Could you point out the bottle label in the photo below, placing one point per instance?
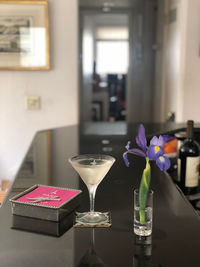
(192, 171)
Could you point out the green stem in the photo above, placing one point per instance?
(142, 216)
(144, 190)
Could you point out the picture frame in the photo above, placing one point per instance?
(24, 35)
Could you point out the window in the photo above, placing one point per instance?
(112, 50)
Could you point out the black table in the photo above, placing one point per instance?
(176, 225)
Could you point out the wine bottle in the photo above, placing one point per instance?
(188, 162)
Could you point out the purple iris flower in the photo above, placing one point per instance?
(154, 152)
(141, 138)
(163, 163)
(155, 149)
(141, 142)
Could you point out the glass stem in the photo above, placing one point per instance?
(92, 192)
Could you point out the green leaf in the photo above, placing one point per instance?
(144, 190)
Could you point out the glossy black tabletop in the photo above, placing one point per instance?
(176, 225)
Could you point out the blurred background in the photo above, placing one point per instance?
(112, 62)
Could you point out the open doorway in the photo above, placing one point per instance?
(104, 69)
(117, 61)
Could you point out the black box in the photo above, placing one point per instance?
(43, 210)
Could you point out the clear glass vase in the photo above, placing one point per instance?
(143, 218)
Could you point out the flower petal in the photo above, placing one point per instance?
(163, 163)
(126, 159)
(168, 138)
(128, 145)
(154, 151)
(161, 141)
(157, 141)
(154, 141)
(141, 138)
(135, 151)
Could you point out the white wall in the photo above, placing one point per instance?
(181, 61)
(158, 109)
(191, 88)
(58, 89)
(172, 59)
(173, 52)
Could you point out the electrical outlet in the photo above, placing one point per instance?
(32, 102)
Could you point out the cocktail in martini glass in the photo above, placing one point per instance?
(92, 168)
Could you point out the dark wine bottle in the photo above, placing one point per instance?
(188, 162)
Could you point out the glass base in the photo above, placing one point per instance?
(142, 230)
(91, 218)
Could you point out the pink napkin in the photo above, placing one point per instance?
(43, 191)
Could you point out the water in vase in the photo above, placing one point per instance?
(146, 228)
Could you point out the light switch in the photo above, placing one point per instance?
(32, 102)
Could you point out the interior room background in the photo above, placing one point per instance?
(175, 88)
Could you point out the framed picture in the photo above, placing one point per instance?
(24, 35)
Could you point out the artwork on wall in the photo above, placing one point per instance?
(15, 35)
(24, 35)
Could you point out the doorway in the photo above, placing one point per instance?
(104, 69)
(117, 60)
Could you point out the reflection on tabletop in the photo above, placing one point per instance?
(91, 258)
(45, 227)
(142, 252)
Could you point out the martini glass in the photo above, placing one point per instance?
(92, 168)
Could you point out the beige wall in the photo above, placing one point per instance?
(175, 57)
(191, 84)
(169, 57)
(181, 61)
(58, 89)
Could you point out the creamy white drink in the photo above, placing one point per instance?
(92, 171)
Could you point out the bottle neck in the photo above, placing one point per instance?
(190, 125)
